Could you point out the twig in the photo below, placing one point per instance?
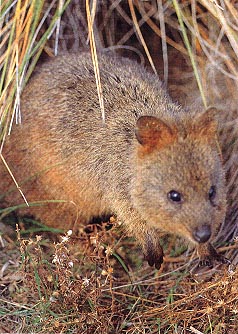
(194, 330)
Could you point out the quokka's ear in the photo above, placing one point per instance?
(205, 125)
(152, 133)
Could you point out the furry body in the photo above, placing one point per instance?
(64, 151)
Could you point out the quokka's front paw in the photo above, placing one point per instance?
(154, 259)
(153, 252)
(205, 262)
(208, 256)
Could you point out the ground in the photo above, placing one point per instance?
(98, 282)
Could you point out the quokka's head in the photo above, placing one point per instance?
(179, 181)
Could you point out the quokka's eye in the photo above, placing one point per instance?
(212, 193)
(174, 196)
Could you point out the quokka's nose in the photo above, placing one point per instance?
(202, 233)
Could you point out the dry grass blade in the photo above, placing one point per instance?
(133, 14)
(163, 40)
(155, 28)
(14, 180)
(95, 58)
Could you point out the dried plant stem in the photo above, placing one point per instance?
(95, 59)
(163, 41)
(14, 180)
(133, 14)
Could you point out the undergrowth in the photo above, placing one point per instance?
(96, 282)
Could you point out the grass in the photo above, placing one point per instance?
(23, 39)
(94, 282)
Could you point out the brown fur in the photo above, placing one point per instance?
(127, 166)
